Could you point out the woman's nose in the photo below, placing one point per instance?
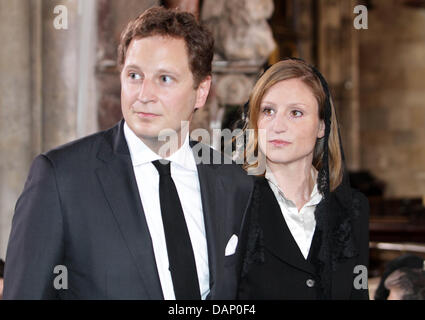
(280, 123)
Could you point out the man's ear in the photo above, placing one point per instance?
(202, 92)
(321, 132)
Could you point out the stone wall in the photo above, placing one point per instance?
(337, 46)
(392, 97)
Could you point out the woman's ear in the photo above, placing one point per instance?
(321, 132)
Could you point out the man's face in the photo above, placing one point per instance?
(157, 86)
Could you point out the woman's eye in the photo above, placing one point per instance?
(134, 76)
(166, 79)
(296, 113)
(268, 111)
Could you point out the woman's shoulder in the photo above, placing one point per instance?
(350, 198)
(260, 182)
(360, 201)
(359, 197)
(351, 206)
(360, 205)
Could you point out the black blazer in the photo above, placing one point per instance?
(81, 208)
(274, 267)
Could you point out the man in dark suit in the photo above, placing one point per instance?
(1, 278)
(104, 218)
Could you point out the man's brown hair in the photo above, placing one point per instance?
(172, 23)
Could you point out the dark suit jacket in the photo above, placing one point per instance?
(80, 208)
(275, 268)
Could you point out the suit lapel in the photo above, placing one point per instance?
(277, 236)
(210, 205)
(117, 179)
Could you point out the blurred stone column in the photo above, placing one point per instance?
(59, 70)
(47, 87)
(15, 108)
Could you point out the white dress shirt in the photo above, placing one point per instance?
(185, 176)
(301, 223)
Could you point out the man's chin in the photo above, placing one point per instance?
(144, 130)
(153, 133)
(161, 136)
(154, 137)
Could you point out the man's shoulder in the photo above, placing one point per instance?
(78, 150)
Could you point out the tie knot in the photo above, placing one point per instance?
(163, 168)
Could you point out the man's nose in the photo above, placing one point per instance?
(147, 91)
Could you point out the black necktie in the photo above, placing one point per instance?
(180, 251)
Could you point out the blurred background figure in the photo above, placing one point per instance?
(403, 279)
(406, 284)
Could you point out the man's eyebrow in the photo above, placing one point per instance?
(132, 66)
(167, 71)
(159, 71)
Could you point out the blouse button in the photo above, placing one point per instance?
(310, 283)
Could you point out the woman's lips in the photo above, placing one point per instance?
(279, 143)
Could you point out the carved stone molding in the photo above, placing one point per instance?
(243, 43)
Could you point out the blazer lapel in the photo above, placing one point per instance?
(277, 236)
(117, 179)
(341, 284)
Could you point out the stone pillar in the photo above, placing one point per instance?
(15, 108)
(59, 71)
(47, 93)
(87, 89)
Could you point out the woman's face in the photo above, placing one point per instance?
(290, 119)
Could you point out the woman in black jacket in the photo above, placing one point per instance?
(306, 236)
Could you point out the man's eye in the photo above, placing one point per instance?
(166, 79)
(134, 76)
(296, 113)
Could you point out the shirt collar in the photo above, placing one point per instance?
(141, 154)
(315, 196)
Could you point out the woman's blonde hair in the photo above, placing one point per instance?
(295, 69)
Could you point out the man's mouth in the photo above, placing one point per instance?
(146, 115)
